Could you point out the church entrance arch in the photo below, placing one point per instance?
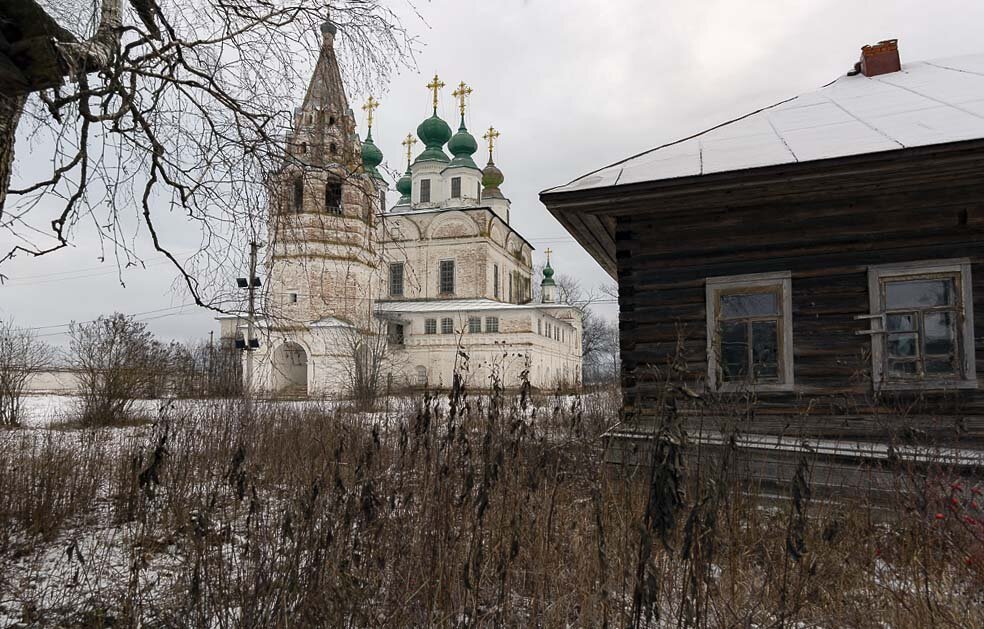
(290, 369)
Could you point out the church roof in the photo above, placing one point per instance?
(926, 103)
(463, 305)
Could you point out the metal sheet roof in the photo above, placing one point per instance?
(459, 305)
(929, 102)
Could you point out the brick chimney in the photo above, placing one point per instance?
(880, 58)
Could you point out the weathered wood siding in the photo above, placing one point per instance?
(827, 240)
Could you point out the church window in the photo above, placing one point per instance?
(382, 200)
(292, 298)
(421, 375)
(491, 324)
(447, 277)
(298, 193)
(396, 279)
(456, 187)
(425, 190)
(478, 191)
(333, 196)
(447, 326)
(396, 335)
(474, 325)
(331, 121)
(539, 327)
(303, 148)
(430, 326)
(548, 329)
(495, 280)
(511, 300)
(333, 148)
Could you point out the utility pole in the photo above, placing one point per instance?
(251, 313)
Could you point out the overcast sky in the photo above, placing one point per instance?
(572, 85)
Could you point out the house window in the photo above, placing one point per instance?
(491, 324)
(298, 193)
(495, 280)
(425, 190)
(396, 279)
(447, 277)
(396, 333)
(922, 325)
(333, 196)
(750, 332)
(474, 325)
(430, 326)
(447, 326)
(456, 187)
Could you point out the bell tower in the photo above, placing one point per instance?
(322, 258)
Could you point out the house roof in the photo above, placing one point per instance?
(459, 305)
(926, 103)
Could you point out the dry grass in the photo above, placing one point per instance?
(490, 511)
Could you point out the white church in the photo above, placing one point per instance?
(408, 295)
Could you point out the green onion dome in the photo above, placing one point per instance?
(492, 178)
(463, 146)
(404, 185)
(371, 156)
(434, 133)
(548, 276)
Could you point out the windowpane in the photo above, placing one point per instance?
(749, 305)
(425, 190)
(900, 322)
(447, 276)
(901, 369)
(333, 197)
(941, 333)
(919, 293)
(902, 345)
(396, 279)
(765, 349)
(940, 367)
(447, 326)
(430, 326)
(456, 187)
(474, 325)
(734, 350)
(491, 324)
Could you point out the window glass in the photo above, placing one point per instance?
(447, 277)
(333, 196)
(748, 331)
(491, 324)
(921, 327)
(425, 190)
(430, 326)
(396, 279)
(447, 325)
(474, 325)
(749, 305)
(298, 193)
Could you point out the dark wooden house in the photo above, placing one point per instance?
(817, 264)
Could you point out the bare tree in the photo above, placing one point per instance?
(22, 356)
(163, 107)
(369, 359)
(117, 361)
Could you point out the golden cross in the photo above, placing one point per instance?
(409, 142)
(435, 85)
(491, 136)
(461, 93)
(548, 251)
(369, 107)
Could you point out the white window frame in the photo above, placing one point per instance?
(714, 287)
(958, 266)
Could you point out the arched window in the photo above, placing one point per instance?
(298, 193)
(333, 196)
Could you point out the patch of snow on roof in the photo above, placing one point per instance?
(925, 103)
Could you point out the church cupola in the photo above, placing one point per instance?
(492, 177)
(434, 132)
(548, 287)
(462, 144)
(372, 157)
(405, 184)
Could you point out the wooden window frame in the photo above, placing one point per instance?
(715, 287)
(958, 268)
